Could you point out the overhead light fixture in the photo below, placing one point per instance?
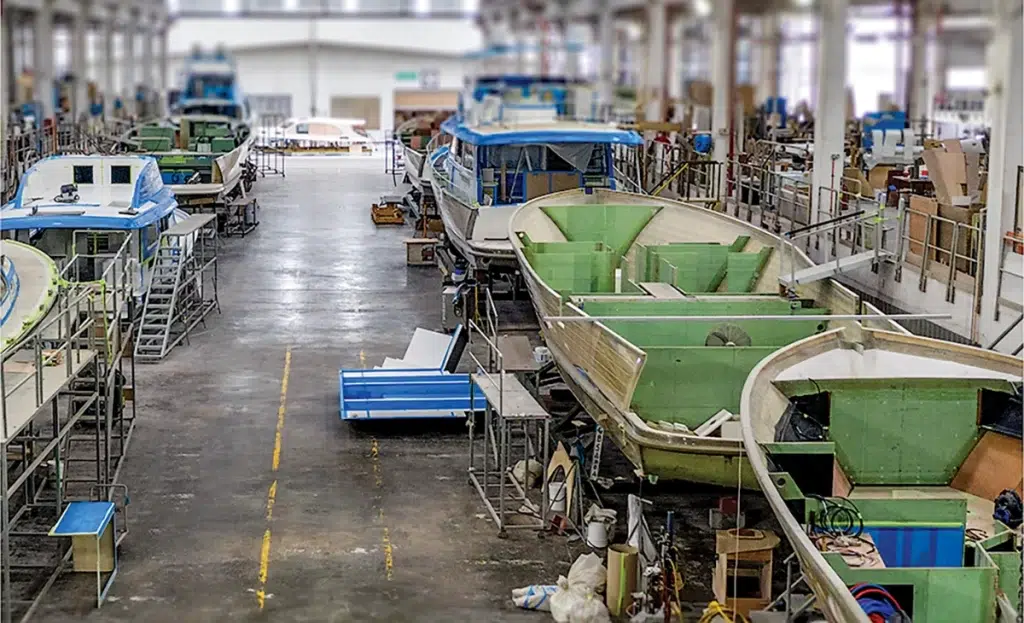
(702, 7)
(803, 4)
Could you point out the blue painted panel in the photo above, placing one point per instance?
(84, 518)
(918, 546)
(411, 392)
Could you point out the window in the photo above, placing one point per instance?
(302, 128)
(120, 174)
(83, 174)
(469, 156)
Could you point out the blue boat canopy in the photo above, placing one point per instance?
(579, 133)
(102, 203)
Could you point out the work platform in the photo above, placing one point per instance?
(66, 423)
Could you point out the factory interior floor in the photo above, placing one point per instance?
(367, 523)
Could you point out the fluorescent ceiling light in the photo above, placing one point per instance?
(702, 7)
(422, 7)
(803, 4)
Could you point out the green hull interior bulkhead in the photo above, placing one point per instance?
(684, 380)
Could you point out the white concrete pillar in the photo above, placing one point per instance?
(939, 65)
(163, 70)
(149, 35)
(723, 64)
(657, 43)
(606, 39)
(7, 64)
(43, 58)
(674, 88)
(79, 31)
(830, 106)
(918, 71)
(128, 60)
(768, 49)
(105, 64)
(1004, 105)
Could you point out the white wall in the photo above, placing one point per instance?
(340, 71)
(430, 35)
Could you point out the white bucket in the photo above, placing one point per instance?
(556, 493)
(597, 533)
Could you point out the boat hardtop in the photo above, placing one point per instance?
(89, 192)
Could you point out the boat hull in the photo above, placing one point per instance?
(479, 234)
(414, 166)
(227, 175)
(602, 369)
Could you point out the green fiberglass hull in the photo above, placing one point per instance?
(614, 278)
(917, 435)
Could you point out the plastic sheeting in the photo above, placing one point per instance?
(576, 154)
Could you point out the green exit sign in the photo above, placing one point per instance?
(406, 76)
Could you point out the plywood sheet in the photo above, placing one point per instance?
(993, 465)
(426, 100)
(368, 108)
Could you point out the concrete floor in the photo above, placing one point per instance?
(368, 524)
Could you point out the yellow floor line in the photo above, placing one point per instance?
(261, 593)
(378, 483)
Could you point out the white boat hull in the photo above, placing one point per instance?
(228, 168)
(478, 233)
(414, 166)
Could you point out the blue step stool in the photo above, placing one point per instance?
(92, 529)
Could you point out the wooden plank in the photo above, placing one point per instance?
(661, 290)
(993, 465)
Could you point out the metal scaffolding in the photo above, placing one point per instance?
(66, 423)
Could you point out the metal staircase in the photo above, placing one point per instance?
(182, 287)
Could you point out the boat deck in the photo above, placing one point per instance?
(21, 404)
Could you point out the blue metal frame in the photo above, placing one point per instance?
(11, 295)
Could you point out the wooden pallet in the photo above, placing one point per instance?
(387, 214)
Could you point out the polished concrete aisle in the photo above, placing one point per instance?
(365, 524)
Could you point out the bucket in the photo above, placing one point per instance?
(597, 533)
(556, 491)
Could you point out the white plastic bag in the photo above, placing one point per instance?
(563, 601)
(588, 572)
(589, 608)
(535, 597)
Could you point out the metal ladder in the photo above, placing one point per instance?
(153, 340)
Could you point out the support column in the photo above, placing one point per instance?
(80, 98)
(657, 42)
(128, 63)
(42, 58)
(163, 70)
(830, 105)
(149, 35)
(917, 73)
(105, 65)
(1004, 105)
(769, 47)
(606, 39)
(723, 76)
(7, 72)
(939, 65)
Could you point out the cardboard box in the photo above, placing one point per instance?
(966, 239)
(917, 225)
(878, 177)
(955, 175)
(747, 554)
(855, 183)
(699, 92)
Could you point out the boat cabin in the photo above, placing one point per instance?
(524, 152)
(68, 205)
